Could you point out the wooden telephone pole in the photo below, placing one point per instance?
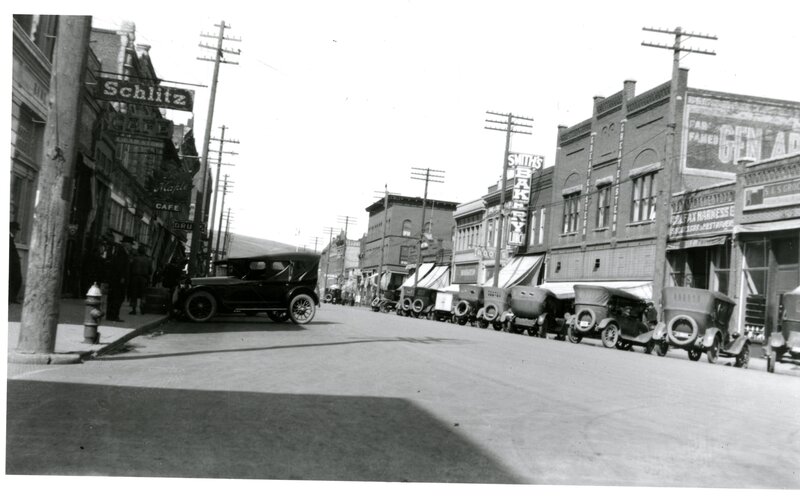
(512, 124)
(429, 176)
(200, 199)
(40, 310)
(670, 157)
(222, 142)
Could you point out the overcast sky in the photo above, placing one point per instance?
(331, 99)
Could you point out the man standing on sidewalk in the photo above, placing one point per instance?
(117, 275)
(141, 270)
(14, 269)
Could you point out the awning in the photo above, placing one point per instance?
(437, 278)
(387, 275)
(759, 227)
(423, 271)
(642, 289)
(696, 242)
(519, 270)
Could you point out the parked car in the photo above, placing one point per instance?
(281, 284)
(446, 302)
(422, 304)
(496, 302)
(470, 303)
(539, 312)
(697, 320)
(786, 339)
(620, 319)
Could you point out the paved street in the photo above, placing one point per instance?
(361, 396)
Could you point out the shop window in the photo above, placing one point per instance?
(677, 264)
(571, 213)
(406, 228)
(644, 198)
(603, 203)
(785, 250)
(30, 134)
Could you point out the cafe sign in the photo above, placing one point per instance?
(140, 93)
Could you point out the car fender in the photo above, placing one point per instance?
(541, 319)
(506, 316)
(603, 323)
(479, 315)
(777, 341)
(302, 290)
(736, 347)
(708, 338)
(660, 331)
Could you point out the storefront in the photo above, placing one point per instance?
(766, 240)
(699, 244)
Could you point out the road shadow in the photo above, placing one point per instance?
(83, 429)
(253, 324)
(132, 348)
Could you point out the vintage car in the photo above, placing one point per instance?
(539, 312)
(470, 303)
(386, 301)
(620, 319)
(786, 339)
(333, 294)
(697, 320)
(422, 304)
(496, 302)
(280, 284)
(446, 302)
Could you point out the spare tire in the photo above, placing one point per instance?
(581, 317)
(328, 298)
(418, 305)
(406, 304)
(682, 320)
(490, 312)
(462, 309)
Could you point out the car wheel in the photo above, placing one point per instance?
(610, 335)
(743, 358)
(573, 336)
(771, 359)
(278, 315)
(662, 348)
(713, 352)
(649, 347)
(482, 324)
(694, 354)
(200, 306)
(498, 326)
(301, 309)
(461, 322)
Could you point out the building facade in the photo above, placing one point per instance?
(398, 229)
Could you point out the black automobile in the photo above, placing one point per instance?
(280, 284)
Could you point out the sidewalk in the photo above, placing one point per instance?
(69, 336)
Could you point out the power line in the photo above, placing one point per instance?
(429, 176)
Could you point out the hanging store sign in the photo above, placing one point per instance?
(168, 207)
(151, 127)
(154, 95)
(183, 225)
(533, 162)
(521, 197)
(702, 221)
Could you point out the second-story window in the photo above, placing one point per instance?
(644, 198)
(571, 213)
(407, 228)
(603, 202)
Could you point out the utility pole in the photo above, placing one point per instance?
(670, 157)
(226, 243)
(222, 142)
(329, 231)
(347, 220)
(200, 199)
(429, 176)
(221, 208)
(513, 126)
(40, 309)
(316, 241)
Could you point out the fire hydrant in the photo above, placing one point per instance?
(93, 315)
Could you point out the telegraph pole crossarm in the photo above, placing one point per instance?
(222, 142)
(429, 176)
(512, 122)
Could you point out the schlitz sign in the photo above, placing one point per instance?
(154, 95)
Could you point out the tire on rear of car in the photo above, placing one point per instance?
(200, 306)
(302, 309)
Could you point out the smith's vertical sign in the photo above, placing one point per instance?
(524, 165)
(616, 178)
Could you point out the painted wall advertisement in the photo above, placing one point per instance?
(772, 195)
(719, 130)
(524, 165)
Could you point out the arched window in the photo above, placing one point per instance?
(406, 228)
(427, 229)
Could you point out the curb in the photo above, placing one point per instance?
(88, 355)
(45, 358)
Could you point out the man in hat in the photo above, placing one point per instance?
(117, 276)
(14, 268)
(140, 273)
